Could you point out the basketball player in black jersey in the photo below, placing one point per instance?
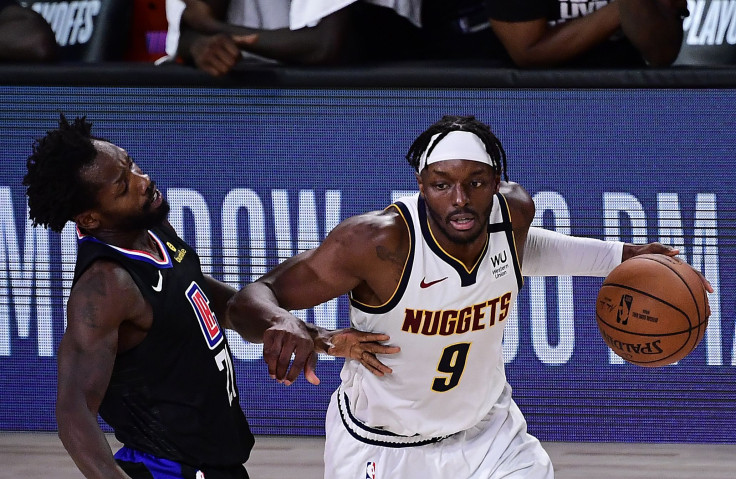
(144, 345)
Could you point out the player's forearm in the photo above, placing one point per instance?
(87, 446)
(573, 38)
(654, 27)
(194, 30)
(548, 253)
(561, 43)
(307, 46)
(317, 45)
(254, 309)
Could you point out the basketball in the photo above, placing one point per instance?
(652, 310)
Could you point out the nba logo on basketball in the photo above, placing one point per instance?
(624, 308)
(370, 470)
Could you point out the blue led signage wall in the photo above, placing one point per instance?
(254, 176)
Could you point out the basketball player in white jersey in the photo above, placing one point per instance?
(437, 272)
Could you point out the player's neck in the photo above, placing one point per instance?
(467, 253)
(139, 240)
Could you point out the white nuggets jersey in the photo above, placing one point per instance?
(448, 318)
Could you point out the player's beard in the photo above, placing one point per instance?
(460, 238)
(148, 217)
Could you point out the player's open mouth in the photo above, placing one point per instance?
(463, 223)
(157, 199)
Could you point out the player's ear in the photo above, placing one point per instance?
(87, 220)
(498, 183)
(419, 183)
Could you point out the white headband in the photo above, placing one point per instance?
(457, 145)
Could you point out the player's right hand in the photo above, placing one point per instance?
(286, 339)
(362, 346)
(216, 54)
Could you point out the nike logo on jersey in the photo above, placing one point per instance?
(160, 284)
(424, 284)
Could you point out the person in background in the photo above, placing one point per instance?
(24, 35)
(592, 33)
(147, 38)
(216, 35)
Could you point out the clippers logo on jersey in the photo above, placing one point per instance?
(207, 320)
(370, 470)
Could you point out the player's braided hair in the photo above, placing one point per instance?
(55, 190)
(450, 123)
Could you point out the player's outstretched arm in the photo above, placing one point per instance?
(260, 311)
(549, 253)
(534, 43)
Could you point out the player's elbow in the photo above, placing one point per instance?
(662, 58)
(528, 58)
(327, 41)
(39, 43)
(661, 51)
(324, 49)
(528, 63)
(322, 55)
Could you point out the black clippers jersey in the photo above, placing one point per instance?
(174, 395)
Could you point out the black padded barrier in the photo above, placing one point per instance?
(405, 75)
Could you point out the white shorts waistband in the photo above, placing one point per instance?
(374, 436)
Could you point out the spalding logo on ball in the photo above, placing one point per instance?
(652, 310)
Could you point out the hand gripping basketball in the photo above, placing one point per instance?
(652, 310)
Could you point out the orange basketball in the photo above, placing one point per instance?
(652, 310)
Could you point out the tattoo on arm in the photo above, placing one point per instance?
(95, 291)
(384, 254)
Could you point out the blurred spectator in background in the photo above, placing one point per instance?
(592, 33)
(87, 31)
(217, 34)
(214, 32)
(377, 30)
(459, 30)
(214, 35)
(147, 39)
(24, 35)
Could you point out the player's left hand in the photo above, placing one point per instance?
(631, 250)
(362, 346)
